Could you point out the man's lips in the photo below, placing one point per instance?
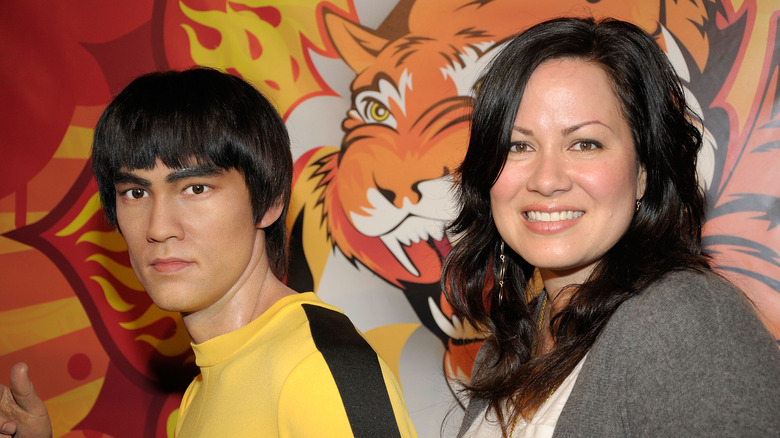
(170, 264)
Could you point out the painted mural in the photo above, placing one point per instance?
(377, 96)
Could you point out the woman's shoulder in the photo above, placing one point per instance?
(680, 292)
(679, 351)
(699, 306)
(702, 281)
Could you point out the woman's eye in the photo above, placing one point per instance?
(518, 147)
(586, 145)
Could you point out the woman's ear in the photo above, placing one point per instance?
(271, 215)
(641, 182)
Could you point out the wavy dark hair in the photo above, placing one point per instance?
(664, 234)
(215, 118)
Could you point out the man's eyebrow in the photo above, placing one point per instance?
(129, 178)
(193, 172)
(124, 177)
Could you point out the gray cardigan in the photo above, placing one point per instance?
(686, 357)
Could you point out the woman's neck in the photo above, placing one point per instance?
(553, 301)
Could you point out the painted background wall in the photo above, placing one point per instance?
(376, 95)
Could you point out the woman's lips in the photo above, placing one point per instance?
(552, 216)
(551, 221)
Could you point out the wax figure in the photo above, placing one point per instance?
(194, 168)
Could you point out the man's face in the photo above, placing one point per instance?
(190, 233)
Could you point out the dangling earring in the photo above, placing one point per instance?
(501, 273)
(638, 204)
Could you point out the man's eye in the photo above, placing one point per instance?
(134, 193)
(197, 189)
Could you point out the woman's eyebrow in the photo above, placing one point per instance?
(565, 131)
(522, 130)
(574, 128)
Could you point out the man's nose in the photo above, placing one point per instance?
(164, 221)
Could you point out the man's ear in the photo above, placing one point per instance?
(271, 215)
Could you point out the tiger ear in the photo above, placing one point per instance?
(357, 45)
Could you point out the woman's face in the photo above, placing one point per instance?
(569, 187)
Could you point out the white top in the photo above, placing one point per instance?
(543, 422)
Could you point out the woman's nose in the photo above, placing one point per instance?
(549, 173)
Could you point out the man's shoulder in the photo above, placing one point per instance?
(326, 325)
(297, 303)
(332, 329)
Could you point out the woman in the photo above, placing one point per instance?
(581, 166)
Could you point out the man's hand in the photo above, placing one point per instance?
(22, 413)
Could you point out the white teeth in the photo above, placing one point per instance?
(455, 329)
(412, 230)
(412, 223)
(543, 216)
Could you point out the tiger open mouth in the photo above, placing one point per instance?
(402, 228)
(415, 230)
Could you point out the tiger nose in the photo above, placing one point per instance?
(402, 191)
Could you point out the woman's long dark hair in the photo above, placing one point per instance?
(664, 234)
